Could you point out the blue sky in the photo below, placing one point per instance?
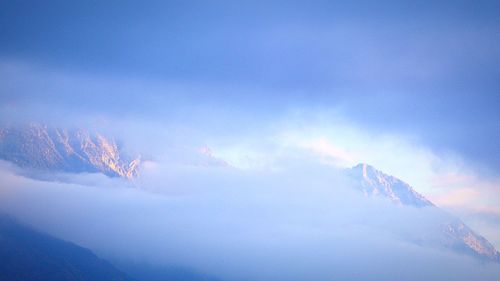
(367, 80)
(429, 68)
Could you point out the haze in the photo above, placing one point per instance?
(246, 115)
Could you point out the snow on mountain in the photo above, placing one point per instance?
(375, 183)
(450, 232)
(43, 148)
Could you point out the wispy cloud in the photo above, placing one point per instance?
(336, 155)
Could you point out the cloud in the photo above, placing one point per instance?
(152, 120)
(344, 82)
(303, 222)
(461, 190)
(335, 154)
(456, 197)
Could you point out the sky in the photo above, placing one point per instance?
(410, 87)
(428, 69)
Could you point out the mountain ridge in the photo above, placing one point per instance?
(43, 148)
(27, 254)
(456, 234)
(376, 183)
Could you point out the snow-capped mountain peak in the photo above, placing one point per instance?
(450, 232)
(40, 147)
(375, 183)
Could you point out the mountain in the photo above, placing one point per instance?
(26, 255)
(40, 147)
(373, 182)
(449, 232)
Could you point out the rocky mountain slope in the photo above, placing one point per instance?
(28, 255)
(44, 148)
(373, 182)
(449, 232)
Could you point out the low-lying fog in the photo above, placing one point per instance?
(302, 221)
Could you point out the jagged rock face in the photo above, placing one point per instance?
(462, 238)
(42, 148)
(375, 183)
(451, 232)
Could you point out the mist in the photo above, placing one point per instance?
(300, 221)
(245, 117)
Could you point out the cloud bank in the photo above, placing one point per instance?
(304, 222)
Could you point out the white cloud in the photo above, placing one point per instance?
(302, 222)
(276, 199)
